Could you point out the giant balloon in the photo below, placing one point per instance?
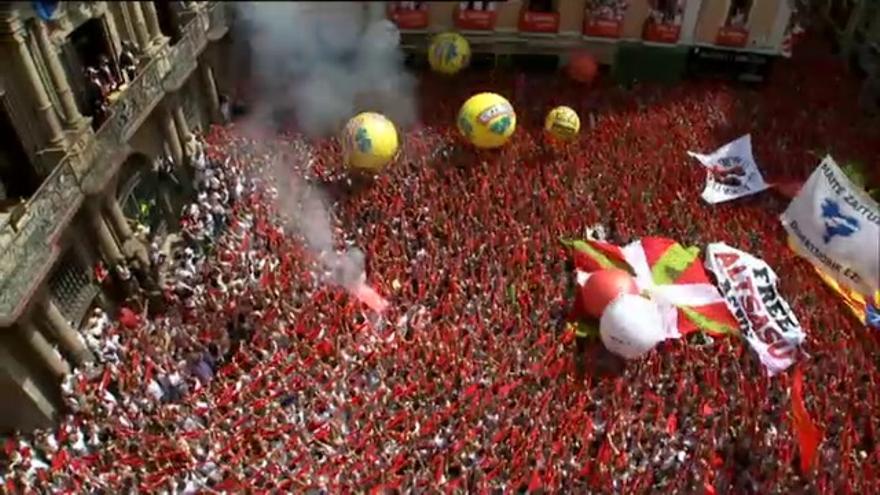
(582, 67)
(631, 326)
(604, 286)
(369, 141)
(449, 53)
(487, 120)
(562, 124)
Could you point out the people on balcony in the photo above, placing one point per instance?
(128, 61)
(96, 96)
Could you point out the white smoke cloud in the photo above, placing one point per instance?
(324, 62)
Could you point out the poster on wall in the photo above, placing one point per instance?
(735, 32)
(664, 21)
(604, 18)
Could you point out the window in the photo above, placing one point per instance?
(738, 14)
(410, 6)
(541, 6)
(667, 11)
(72, 287)
(168, 21)
(478, 6)
(17, 174)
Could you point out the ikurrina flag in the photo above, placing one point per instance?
(667, 272)
(866, 309)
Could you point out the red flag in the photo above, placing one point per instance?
(535, 482)
(105, 380)
(808, 434)
(129, 318)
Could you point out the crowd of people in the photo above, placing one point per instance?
(107, 77)
(257, 375)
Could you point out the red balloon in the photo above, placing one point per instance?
(604, 286)
(582, 67)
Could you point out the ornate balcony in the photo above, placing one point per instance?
(101, 155)
(28, 238)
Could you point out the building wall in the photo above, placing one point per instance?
(699, 24)
(74, 218)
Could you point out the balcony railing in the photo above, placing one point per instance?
(27, 243)
(125, 115)
(28, 237)
(166, 71)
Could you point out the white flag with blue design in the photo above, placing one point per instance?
(836, 226)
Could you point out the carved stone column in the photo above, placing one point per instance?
(113, 33)
(153, 27)
(211, 90)
(31, 334)
(106, 243)
(139, 24)
(169, 130)
(72, 116)
(123, 230)
(33, 406)
(45, 113)
(180, 121)
(66, 335)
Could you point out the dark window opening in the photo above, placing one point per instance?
(542, 6)
(665, 11)
(169, 22)
(479, 6)
(17, 175)
(94, 70)
(738, 14)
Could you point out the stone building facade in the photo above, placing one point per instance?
(76, 166)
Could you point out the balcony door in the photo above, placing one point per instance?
(18, 177)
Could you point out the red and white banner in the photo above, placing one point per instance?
(748, 285)
(731, 172)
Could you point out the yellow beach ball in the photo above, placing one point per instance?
(562, 123)
(487, 120)
(449, 53)
(369, 141)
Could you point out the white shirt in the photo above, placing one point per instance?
(155, 390)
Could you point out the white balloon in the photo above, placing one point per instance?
(631, 326)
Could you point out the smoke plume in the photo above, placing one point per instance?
(326, 62)
(322, 63)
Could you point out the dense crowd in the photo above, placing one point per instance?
(259, 375)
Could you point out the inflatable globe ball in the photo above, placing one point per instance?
(487, 120)
(562, 124)
(369, 142)
(604, 286)
(583, 68)
(449, 53)
(631, 326)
